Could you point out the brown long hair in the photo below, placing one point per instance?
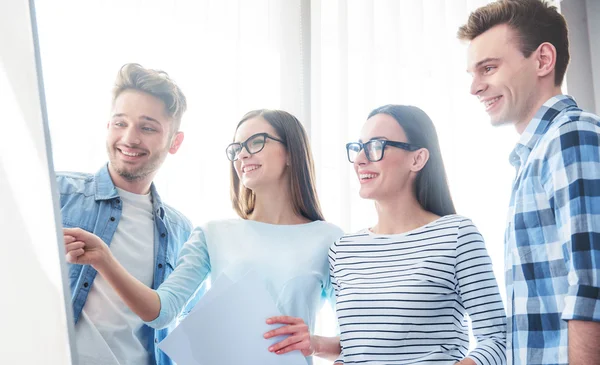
(302, 170)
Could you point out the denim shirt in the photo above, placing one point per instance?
(91, 202)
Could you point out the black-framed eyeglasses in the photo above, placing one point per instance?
(254, 144)
(374, 148)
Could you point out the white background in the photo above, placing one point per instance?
(232, 56)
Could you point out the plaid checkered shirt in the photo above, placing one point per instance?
(552, 242)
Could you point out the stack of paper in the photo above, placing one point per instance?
(226, 328)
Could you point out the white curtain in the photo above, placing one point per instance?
(329, 62)
(373, 52)
(228, 56)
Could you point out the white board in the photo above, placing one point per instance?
(36, 313)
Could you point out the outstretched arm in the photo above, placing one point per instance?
(85, 248)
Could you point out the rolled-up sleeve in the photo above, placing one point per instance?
(192, 268)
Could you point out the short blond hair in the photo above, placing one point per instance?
(156, 83)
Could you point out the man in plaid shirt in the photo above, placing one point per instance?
(518, 55)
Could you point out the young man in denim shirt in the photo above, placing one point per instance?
(120, 204)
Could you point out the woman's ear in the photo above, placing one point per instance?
(420, 158)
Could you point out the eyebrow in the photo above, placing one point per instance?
(254, 135)
(144, 117)
(372, 138)
(485, 60)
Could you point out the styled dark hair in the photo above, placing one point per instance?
(431, 185)
(302, 170)
(535, 22)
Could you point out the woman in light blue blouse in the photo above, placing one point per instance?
(282, 235)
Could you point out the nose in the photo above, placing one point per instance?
(131, 136)
(243, 153)
(361, 158)
(477, 86)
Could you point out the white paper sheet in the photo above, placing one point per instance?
(218, 287)
(227, 327)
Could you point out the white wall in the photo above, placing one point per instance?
(583, 74)
(33, 305)
(593, 15)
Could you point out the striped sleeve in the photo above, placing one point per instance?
(334, 285)
(479, 294)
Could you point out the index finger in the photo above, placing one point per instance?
(69, 239)
(80, 234)
(284, 320)
(283, 330)
(71, 231)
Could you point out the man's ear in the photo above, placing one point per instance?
(546, 59)
(176, 142)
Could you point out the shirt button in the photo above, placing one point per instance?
(112, 219)
(85, 285)
(162, 235)
(118, 201)
(156, 340)
(160, 266)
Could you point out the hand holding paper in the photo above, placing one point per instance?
(227, 328)
(298, 332)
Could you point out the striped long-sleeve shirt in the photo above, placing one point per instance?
(402, 298)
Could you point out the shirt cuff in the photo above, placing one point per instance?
(582, 303)
(162, 320)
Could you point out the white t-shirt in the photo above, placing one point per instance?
(108, 332)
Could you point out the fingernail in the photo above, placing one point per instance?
(271, 349)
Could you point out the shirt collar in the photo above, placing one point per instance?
(539, 125)
(106, 190)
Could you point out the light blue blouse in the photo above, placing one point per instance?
(292, 260)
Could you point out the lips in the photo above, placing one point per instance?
(129, 154)
(249, 168)
(489, 103)
(366, 176)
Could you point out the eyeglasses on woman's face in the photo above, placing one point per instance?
(254, 144)
(375, 148)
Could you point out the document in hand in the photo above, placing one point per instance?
(226, 327)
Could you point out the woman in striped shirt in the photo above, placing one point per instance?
(403, 287)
